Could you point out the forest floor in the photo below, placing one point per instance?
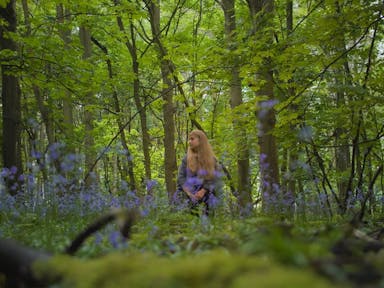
(177, 249)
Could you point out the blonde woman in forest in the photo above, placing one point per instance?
(199, 177)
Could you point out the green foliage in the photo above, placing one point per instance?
(3, 3)
(213, 269)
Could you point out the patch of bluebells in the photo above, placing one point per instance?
(180, 201)
(148, 204)
(213, 201)
(150, 184)
(354, 199)
(277, 200)
(63, 194)
(115, 239)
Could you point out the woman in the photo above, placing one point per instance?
(199, 176)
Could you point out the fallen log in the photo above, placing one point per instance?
(16, 264)
(17, 260)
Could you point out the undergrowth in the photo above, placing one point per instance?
(169, 247)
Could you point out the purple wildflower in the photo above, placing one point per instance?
(114, 239)
(150, 184)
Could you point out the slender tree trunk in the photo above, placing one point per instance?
(243, 174)
(43, 108)
(131, 45)
(142, 111)
(11, 96)
(293, 155)
(85, 38)
(168, 107)
(269, 169)
(128, 164)
(261, 14)
(42, 100)
(342, 152)
(62, 17)
(289, 190)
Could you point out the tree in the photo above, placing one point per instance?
(243, 173)
(63, 16)
(10, 94)
(262, 15)
(167, 95)
(130, 42)
(85, 38)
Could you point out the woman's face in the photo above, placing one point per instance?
(193, 142)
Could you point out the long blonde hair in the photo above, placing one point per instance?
(202, 161)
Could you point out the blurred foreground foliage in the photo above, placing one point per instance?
(216, 268)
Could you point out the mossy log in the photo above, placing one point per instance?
(16, 262)
(217, 268)
(212, 269)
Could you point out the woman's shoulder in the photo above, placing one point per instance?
(184, 160)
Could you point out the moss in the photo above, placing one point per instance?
(211, 269)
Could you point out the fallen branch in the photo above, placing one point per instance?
(125, 219)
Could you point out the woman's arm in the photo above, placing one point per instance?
(182, 179)
(214, 184)
(200, 194)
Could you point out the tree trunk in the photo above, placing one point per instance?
(342, 151)
(261, 15)
(11, 97)
(62, 16)
(142, 112)
(43, 108)
(243, 174)
(128, 165)
(168, 107)
(289, 189)
(131, 45)
(85, 38)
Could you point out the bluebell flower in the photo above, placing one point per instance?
(150, 184)
(268, 104)
(13, 170)
(98, 238)
(212, 200)
(4, 172)
(54, 150)
(36, 154)
(114, 239)
(202, 172)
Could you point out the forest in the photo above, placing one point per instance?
(99, 98)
